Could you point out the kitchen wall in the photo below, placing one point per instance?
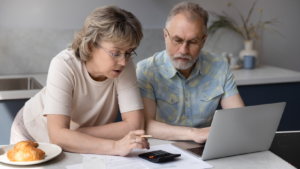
(32, 32)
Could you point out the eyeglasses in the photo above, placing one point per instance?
(191, 43)
(119, 56)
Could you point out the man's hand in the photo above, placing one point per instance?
(200, 135)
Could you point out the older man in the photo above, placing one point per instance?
(182, 86)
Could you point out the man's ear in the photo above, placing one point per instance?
(204, 40)
(165, 33)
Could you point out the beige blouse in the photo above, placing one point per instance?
(72, 92)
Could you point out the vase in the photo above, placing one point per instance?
(248, 50)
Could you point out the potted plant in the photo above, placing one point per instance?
(248, 31)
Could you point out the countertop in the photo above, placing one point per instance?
(261, 160)
(265, 74)
(262, 74)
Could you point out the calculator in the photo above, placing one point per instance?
(158, 156)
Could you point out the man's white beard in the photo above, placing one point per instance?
(179, 65)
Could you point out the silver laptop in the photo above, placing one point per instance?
(238, 131)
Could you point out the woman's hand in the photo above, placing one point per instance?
(131, 141)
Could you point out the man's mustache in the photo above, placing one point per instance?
(182, 56)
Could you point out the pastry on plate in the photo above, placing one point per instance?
(25, 151)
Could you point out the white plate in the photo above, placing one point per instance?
(51, 151)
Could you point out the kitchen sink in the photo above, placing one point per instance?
(19, 84)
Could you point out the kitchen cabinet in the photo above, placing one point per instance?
(15, 90)
(8, 111)
(268, 84)
(273, 93)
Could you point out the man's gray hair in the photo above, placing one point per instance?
(192, 10)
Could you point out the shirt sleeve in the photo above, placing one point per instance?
(145, 87)
(230, 88)
(58, 96)
(128, 90)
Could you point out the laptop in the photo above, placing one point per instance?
(238, 131)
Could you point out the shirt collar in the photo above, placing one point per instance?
(171, 71)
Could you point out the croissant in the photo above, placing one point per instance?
(25, 151)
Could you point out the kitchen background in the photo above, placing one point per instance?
(32, 32)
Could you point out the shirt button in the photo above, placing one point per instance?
(186, 99)
(172, 101)
(188, 117)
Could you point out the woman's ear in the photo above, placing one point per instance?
(90, 46)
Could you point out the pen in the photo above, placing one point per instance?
(146, 136)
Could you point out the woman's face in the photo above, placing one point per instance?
(102, 66)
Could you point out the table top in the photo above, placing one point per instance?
(261, 160)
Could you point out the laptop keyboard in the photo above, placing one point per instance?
(197, 150)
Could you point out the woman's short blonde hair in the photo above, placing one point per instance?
(110, 24)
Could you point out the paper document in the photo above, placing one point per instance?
(93, 163)
(117, 162)
(113, 162)
(132, 161)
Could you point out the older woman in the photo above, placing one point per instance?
(86, 84)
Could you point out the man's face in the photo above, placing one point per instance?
(183, 56)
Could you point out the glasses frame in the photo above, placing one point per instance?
(132, 55)
(187, 42)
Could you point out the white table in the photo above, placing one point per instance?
(259, 160)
